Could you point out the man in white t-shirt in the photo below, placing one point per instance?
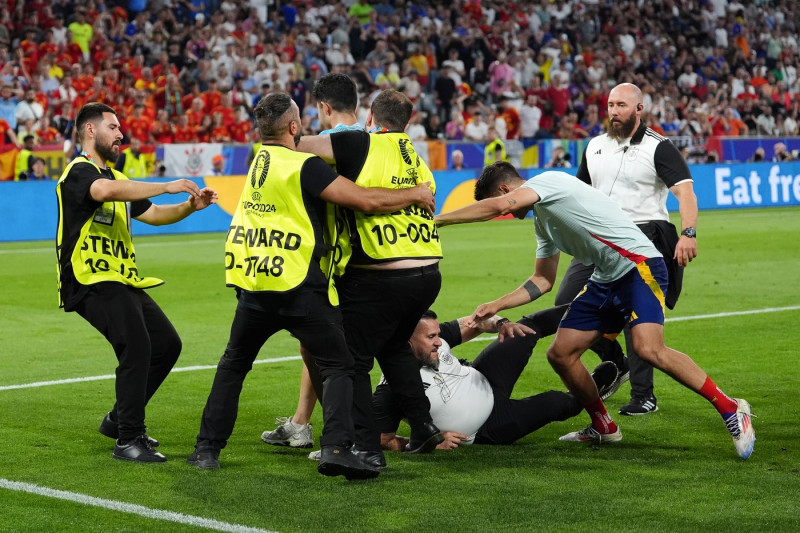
(471, 403)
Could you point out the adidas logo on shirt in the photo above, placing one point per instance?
(598, 152)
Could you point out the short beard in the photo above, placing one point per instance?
(428, 362)
(623, 130)
(106, 153)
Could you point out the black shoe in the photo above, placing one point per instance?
(372, 458)
(424, 439)
(110, 429)
(341, 461)
(205, 459)
(138, 450)
(639, 406)
(605, 377)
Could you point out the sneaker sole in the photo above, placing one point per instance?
(616, 385)
(628, 413)
(204, 465)
(121, 458)
(429, 445)
(285, 444)
(333, 470)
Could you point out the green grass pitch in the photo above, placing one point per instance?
(675, 470)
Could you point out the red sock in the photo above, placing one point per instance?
(601, 421)
(723, 403)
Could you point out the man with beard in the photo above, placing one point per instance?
(99, 278)
(637, 168)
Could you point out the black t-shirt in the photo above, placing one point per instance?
(350, 149)
(315, 176)
(78, 207)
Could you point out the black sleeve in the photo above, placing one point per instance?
(583, 170)
(450, 332)
(670, 165)
(75, 189)
(139, 207)
(316, 175)
(350, 150)
(386, 406)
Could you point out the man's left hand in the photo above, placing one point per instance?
(207, 197)
(685, 251)
(452, 440)
(512, 329)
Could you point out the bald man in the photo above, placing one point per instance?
(638, 168)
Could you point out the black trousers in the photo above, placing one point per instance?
(510, 420)
(381, 309)
(144, 341)
(318, 328)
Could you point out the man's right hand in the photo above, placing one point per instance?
(425, 199)
(183, 185)
(452, 440)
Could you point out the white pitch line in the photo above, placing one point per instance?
(296, 357)
(130, 508)
(111, 376)
(694, 317)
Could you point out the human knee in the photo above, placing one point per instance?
(234, 364)
(556, 358)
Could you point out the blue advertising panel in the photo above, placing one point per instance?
(29, 209)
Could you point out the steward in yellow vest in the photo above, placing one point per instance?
(25, 158)
(393, 275)
(132, 162)
(273, 251)
(99, 278)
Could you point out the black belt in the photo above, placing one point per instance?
(394, 273)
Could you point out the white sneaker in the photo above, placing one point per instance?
(741, 429)
(590, 434)
(289, 434)
(316, 455)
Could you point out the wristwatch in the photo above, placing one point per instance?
(689, 232)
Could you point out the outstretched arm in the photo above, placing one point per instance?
(318, 145)
(106, 190)
(539, 283)
(160, 215)
(344, 192)
(518, 201)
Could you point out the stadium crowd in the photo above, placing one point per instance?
(188, 71)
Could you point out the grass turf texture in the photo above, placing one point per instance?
(675, 470)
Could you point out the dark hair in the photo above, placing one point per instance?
(392, 109)
(273, 115)
(28, 137)
(429, 314)
(338, 91)
(492, 177)
(91, 112)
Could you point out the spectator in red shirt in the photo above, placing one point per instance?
(203, 130)
(240, 130)
(219, 131)
(162, 131)
(138, 125)
(184, 131)
(212, 96)
(225, 108)
(196, 112)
